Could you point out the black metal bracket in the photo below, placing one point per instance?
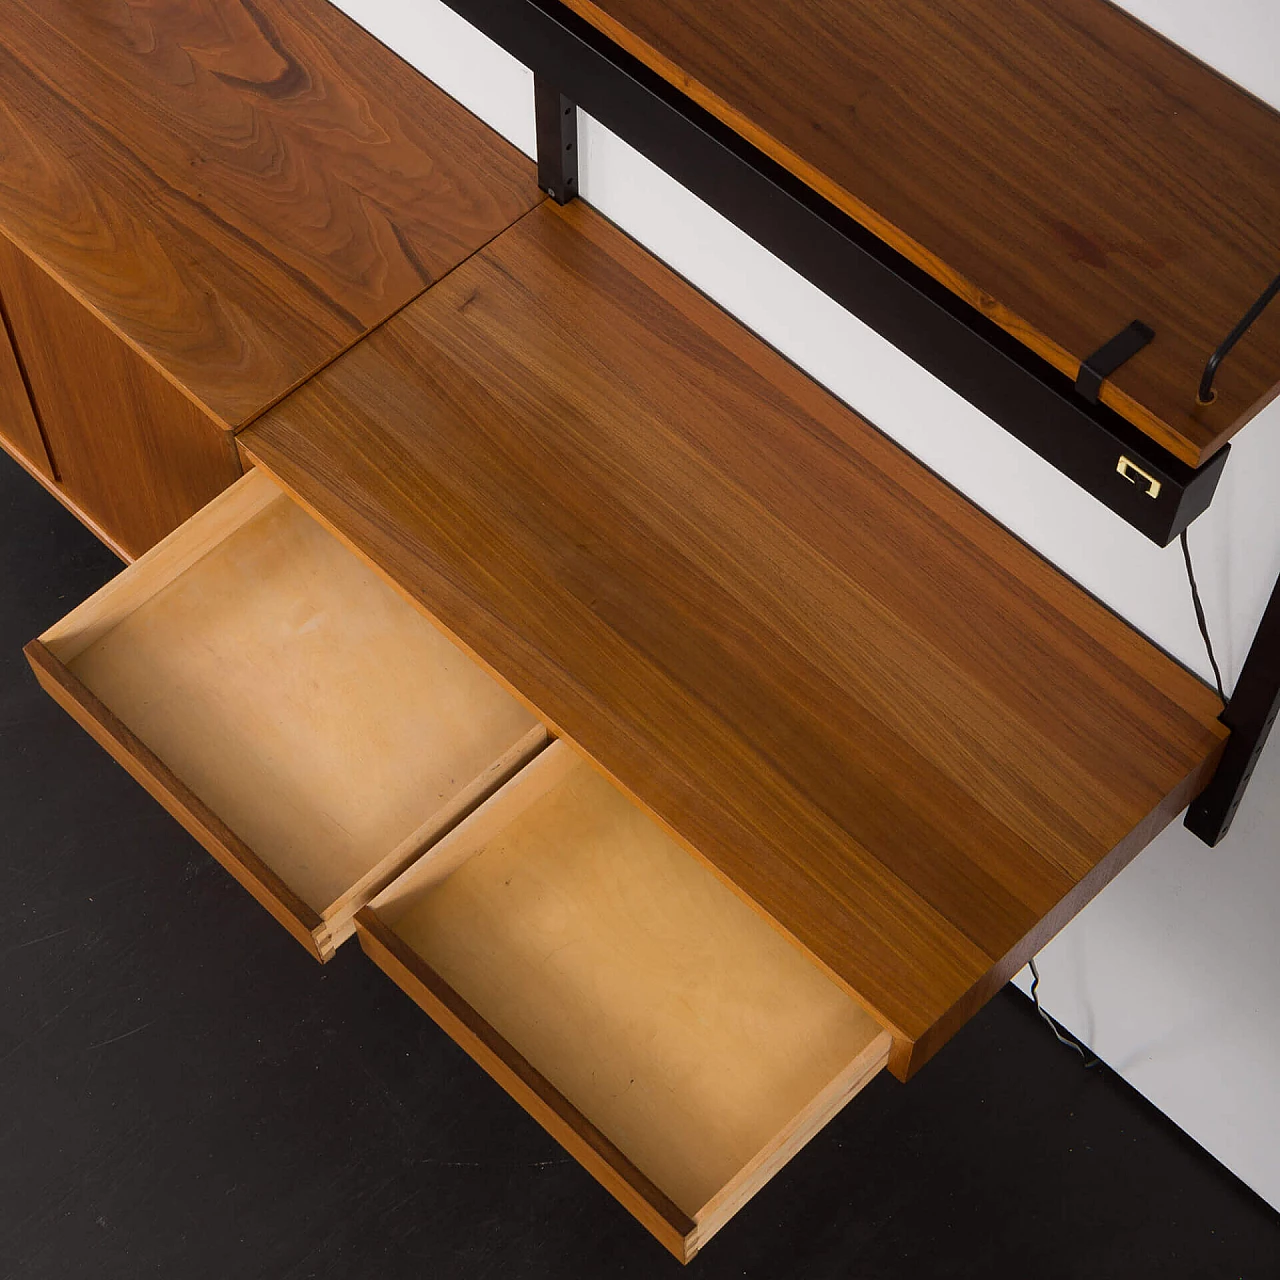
(1109, 357)
(1250, 713)
(556, 125)
(1149, 487)
(1254, 705)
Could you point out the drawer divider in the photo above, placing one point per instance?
(339, 916)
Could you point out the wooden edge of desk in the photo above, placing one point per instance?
(907, 1058)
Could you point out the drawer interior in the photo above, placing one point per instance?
(679, 1031)
(314, 711)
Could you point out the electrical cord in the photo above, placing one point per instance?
(1200, 619)
(1065, 1038)
(1090, 1060)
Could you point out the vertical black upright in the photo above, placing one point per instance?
(557, 131)
(1250, 714)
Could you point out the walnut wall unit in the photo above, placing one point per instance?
(687, 750)
(897, 737)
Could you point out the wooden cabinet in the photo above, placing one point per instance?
(200, 205)
(835, 754)
(683, 747)
(134, 456)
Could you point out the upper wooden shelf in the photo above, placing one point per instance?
(1058, 165)
(909, 741)
(240, 190)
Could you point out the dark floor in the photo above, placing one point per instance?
(185, 1093)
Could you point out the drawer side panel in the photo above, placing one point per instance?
(149, 770)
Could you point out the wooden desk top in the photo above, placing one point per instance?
(240, 189)
(907, 739)
(1054, 162)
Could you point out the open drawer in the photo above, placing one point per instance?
(310, 727)
(671, 1039)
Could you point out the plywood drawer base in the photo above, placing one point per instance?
(664, 1032)
(307, 724)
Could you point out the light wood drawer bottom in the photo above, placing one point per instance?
(308, 725)
(352, 767)
(666, 1034)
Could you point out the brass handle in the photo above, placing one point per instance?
(1135, 475)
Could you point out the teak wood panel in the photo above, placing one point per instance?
(1056, 163)
(906, 738)
(19, 429)
(682, 1048)
(130, 450)
(307, 724)
(240, 189)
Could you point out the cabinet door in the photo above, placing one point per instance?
(133, 453)
(19, 429)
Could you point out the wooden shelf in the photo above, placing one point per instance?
(907, 740)
(239, 191)
(1055, 163)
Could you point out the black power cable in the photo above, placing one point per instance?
(1200, 619)
(1066, 1038)
(1089, 1059)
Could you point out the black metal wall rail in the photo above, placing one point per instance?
(1143, 483)
(1251, 714)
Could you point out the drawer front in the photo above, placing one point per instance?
(309, 726)
(669, 1037)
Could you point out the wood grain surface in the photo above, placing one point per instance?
(19, 429)
(241, 188)
(892, 727)
(130, 450)
(1059, 165)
